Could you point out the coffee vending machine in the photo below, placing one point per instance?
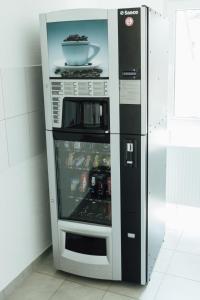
(105, 87)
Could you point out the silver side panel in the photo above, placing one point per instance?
(144, 99)
(143, 209)
(53, 196)
(144, 62)
(157, 95)
(115, 142)
(113, 70)
(45, 72)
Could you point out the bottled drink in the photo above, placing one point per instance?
(109, 186)
(93, 185)
(74, 184)
(96, 161)
(71, 159)
(79, 161)
(87, 161)
(83, 182)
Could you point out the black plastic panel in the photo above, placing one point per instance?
(80, 137)
(130, 119)
(131, 248)
(85, 114)
(85, 244)
(129, 43)
(131, 209)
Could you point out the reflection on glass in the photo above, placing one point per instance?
(84, 181)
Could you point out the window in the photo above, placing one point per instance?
(187, 68)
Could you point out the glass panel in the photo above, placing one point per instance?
(85, 244)
(84, 181)
(84, 114)
(78, 49)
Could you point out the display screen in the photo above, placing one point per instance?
(78, 49)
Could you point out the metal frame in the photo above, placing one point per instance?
(115, 141)
(144, 64)
(144, 101)
(53, 196)
(45, 72)
(143, 209)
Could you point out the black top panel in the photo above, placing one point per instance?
(129, 43)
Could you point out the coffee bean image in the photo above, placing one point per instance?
(92, 73)
(75, 38)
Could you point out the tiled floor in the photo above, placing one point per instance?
(176, 275)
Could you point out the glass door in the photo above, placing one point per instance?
(84, 181)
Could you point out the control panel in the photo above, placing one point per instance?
(61, 89)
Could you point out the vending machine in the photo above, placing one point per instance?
(105, 89)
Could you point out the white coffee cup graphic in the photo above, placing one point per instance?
(77, 53)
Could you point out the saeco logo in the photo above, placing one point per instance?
(128, 12)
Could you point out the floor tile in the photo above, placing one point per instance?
(96, 283)
(190, 242)
(36, 287)
(185, 265)
(172, 237)
(46, 267)
(2, 296)
(174, 288)
(137, 291)
(163, 260)
(74, 291)
(112, 296)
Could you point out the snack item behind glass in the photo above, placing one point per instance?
(70, 160)
(74, 184)
(87, 162)
(79, 161)
(96, 161)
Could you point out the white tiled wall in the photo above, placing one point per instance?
(22, 100)
(3, 147)
(24, 200)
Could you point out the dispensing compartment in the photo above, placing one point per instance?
(83, 114)
(85, 244)
(85, 249)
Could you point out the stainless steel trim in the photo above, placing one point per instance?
(53, 196)
(143, 208)
(130, 91)
(45, 72)
(144, 62)
(115, 141)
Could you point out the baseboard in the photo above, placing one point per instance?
(8, 290)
